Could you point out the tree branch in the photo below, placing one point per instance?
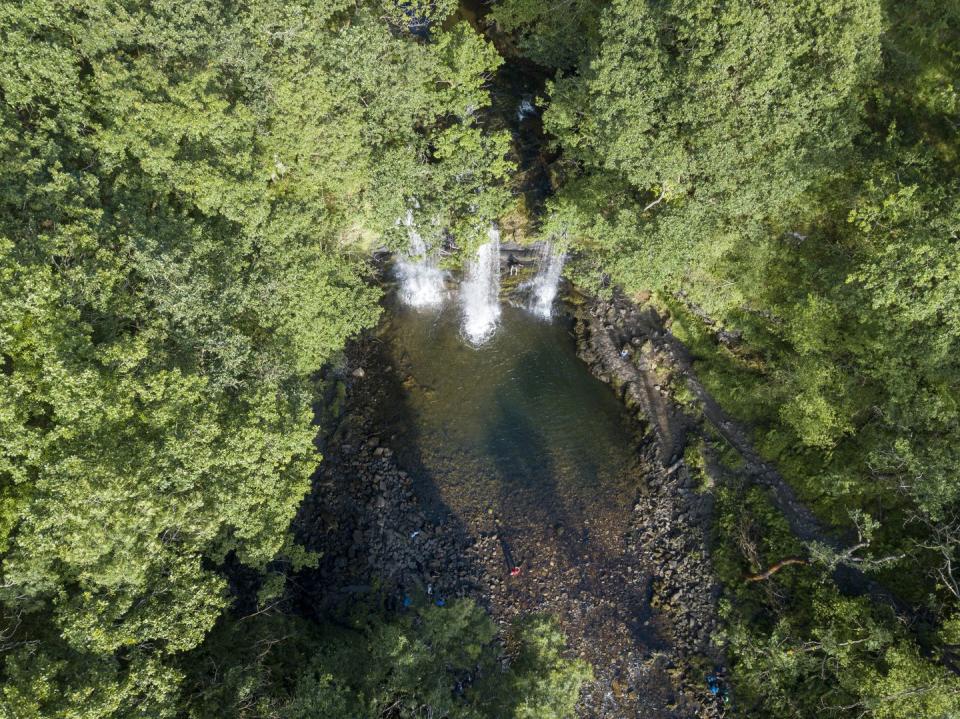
(774, 568)
(663, 193)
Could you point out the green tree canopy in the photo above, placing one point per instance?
(187, 191)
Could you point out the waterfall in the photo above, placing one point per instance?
(543, 287)
(421, 281)
(480, 291)
(525, 109)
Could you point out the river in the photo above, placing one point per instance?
(539, 465)
(535, 464)
(515, 432)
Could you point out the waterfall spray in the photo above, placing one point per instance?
(545, 284)
(525, 109)
(421, 281)
(480, 291)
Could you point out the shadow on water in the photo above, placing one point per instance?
(515, 437)
(366, 536)
(395, 416)
(527, 480)
(540, 498)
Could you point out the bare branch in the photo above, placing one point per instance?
(774, 568)
(663, 193)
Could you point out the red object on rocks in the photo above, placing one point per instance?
(515, 572)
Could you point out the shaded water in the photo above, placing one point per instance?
(514, 434)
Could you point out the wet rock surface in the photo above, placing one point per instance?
(619, 341)
(633, 592)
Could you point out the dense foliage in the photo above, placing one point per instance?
(785, 175)
(188, 189)
(185, 188)
(367, 665)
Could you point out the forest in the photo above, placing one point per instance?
(193, 198)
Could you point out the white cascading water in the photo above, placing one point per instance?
(480, 292)
(545, 284)
(525, 109)
(421, 281)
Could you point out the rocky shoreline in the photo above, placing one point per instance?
(363, 516)
(617, 341)
(645, 617)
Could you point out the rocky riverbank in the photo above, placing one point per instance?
(618, 341)
(633, 593)
(363, 517)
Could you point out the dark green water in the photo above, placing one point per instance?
(515, 434)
